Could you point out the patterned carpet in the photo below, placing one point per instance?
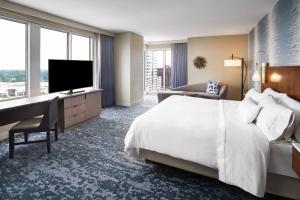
(88, 162)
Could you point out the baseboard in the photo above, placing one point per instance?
(137, 101)
(128, 104)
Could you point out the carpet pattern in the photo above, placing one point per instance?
(88, 162)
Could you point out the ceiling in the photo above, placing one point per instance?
(160, 20)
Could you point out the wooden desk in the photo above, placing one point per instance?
(20, 109)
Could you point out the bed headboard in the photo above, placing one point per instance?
(284, 79)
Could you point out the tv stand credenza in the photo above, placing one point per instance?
(72, 108)
(78, 107)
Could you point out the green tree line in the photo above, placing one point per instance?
(19, 75)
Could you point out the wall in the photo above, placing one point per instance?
(276, 38)
(159, 46)
(122, 68)
(128, 59)
(215, 50)
(137, 68)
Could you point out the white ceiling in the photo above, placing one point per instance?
(159, 20)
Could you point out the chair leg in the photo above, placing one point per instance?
(11, 144)
(26, 137)
(48, 141)
(56, 132)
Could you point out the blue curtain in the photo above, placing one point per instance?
(178, 64)
(107, 71)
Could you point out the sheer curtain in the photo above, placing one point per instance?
(107, 78)
(179, 64)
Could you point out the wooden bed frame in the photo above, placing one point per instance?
(276, 184)
(289, 80)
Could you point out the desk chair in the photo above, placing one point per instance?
(45, 123)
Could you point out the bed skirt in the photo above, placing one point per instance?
(276, 184)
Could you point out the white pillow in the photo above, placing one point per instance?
(276, 95)
(249, 110)
(275, 121)
(295, 107)
(254, 95)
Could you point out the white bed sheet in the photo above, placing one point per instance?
(191, 116)
(281, 159)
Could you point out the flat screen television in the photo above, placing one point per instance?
(69, 75)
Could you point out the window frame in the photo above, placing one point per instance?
(93, 44)
(164, 50)
(69, 43)
(91, 49)
(69, 40)
(27, 84)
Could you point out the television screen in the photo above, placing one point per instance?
(69, 75)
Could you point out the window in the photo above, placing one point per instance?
(53, 46)
(157, 70)
(12, 59)
(80, 48)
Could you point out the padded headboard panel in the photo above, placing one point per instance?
(284, 79)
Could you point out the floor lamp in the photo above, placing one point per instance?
(238, 62)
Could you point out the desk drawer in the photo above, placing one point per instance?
(74, 110)
(74, 101)
(75, 119)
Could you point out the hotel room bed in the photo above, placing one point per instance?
(208, 137)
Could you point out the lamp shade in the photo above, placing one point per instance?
(256, 76)
(232, 63)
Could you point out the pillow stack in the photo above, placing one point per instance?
(254, 95)
(295, 107)
(249, 110)
(276, 114)
(276, 121)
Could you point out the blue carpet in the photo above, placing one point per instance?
(88, 162)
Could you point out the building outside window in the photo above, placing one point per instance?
(157, 70)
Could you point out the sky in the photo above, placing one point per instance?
(159, 58)
(12, 45)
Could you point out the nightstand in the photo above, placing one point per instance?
(296, 158)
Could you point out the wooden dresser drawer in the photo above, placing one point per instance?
(296, 161)
(74, 101)
(75, 119)
(77, 108)
(74, 110)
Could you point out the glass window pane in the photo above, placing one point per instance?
(80, 48)
(53, 46)
(157, 70)
(12, 59)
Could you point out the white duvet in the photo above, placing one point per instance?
(207, 132)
